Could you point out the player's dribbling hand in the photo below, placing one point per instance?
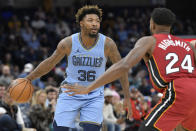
(127, 105)
(75, 89)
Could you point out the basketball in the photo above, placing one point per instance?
(21, 90)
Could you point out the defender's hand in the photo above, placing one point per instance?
(127, 105)
(75, 89)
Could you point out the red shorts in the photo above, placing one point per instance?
(178, 106)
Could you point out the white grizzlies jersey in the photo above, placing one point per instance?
(86, 65)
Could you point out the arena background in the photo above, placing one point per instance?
(31, 29)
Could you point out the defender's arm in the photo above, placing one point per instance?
(117, 70)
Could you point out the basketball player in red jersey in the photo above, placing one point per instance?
(171, 65)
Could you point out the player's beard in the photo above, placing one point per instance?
(93, 35)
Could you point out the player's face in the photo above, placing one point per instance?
(90, 24)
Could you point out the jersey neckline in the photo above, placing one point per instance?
(94, 44)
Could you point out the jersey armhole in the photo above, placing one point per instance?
(154, 46)
(104, 44)
(146, 59)
(71, 50)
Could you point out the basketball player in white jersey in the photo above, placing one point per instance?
(87, 52)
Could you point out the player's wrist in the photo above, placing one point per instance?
(28, 78)
(88, 90)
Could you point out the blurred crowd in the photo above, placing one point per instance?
(28, 36)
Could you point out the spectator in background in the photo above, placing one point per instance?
(134, 30)
(39, 98)
(34, 42)
(6, 76)
(50, 25)
(62, 29)
(27, 69)
(40, 116)
(8, 59)
(40, 13)
(111, 122)
(25, 110)
(119, 110)
(31, 55)
(25, 106)
(120, 113)
(145, 87)
(51, 97)
(14, 23)
(11, 118)
(155, 99)
(26, 32)
(38, 23)
(137, 109)
(122, 33)
(2, 90)
(146, 106)
(51, 81)
(15, 71)
(116, 97)
(51, 100)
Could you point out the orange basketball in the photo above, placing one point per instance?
(21, 90)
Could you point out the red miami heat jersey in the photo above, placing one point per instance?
(172, 58)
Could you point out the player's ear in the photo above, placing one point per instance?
(153, 25)
(81, 23)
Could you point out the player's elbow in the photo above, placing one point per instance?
(124, 67)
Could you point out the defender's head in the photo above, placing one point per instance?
(89, 18)
(161, 20)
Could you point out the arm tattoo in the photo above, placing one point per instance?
(45, 66)
(114, 56)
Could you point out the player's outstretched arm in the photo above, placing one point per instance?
(117, 70)
(63, 48)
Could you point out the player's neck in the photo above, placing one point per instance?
(87, 41)
(162, 32)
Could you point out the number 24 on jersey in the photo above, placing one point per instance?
(186, 64)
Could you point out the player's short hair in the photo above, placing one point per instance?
(163, 16)
(88, 9)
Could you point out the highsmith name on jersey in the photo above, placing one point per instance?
(169, 42)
